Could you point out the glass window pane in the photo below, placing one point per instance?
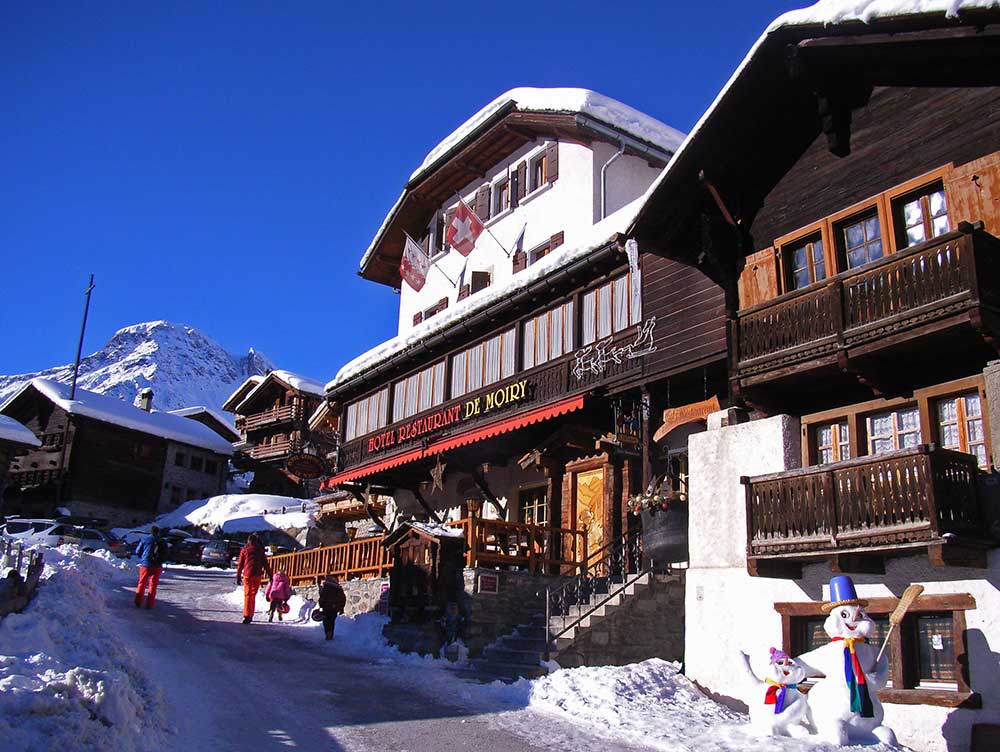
(875, 250)
(938, 204)
(979, 450)
(975, 429)
(909, 419)
(397, 400)
(568, 327)
(439, 383)
(529, 344)
(940, 225)
(856, 258)
(913, 214)
(949, 436)
(555, 333)
(542, 337)
(620, 300)
(947, 410)
(589, 317)
(854, 235)
(799, 257)
(508, 345)
(603, 311)
(458, 374)
(872, 228)
(935, 647)
(882, 424)
(825, 436)
(972, 406)
(915, 235)
(825, 456)
(801, 279)
(881, 446)
(492, 374)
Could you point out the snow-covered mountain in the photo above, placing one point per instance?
(181, 364)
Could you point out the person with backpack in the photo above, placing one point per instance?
(279, 590)
(250, 570)
(152, 552)
(332, 601)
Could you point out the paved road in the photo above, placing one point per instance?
(258, 687)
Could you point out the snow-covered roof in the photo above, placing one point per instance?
(115, 411)
(823, 13)
(596, 237)
(299, 383)
(12, 431)
(437, 530)
(223, 418)
(241, 391)
(244, 513)
(556, 100)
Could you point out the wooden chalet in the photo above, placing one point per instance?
(844, 193)
(104, 458)
(15, 441)
(272, 418)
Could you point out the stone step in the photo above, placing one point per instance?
(503, 654)
(489, 671)
(517, 642)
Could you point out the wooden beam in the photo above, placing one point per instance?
(368, 508)
(426, 507)
(856, 564)
(957, 555)
(477, 476)
(774, 568)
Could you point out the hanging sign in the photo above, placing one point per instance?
(307, 466)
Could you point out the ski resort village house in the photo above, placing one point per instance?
(102, 457)
(272, 416)
(15, 440)
(844, 191)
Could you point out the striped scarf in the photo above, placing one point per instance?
(776, 693)
(861, 701)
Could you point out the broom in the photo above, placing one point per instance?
(909, 595)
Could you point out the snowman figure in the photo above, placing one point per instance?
(844, 704)
(778, 708)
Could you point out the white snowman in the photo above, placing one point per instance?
(844, 703)
(777, 707)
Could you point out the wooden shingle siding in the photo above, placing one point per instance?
(689, 310)
(900, 134)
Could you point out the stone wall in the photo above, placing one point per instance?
(519, 597)
(362, 595)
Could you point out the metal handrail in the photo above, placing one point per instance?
(622, 559)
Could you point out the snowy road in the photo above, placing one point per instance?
(268, 687)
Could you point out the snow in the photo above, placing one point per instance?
(11, 430)
(241, 513)
(181, 364)
(594, 238)
(607, 110)
(68, 679)
(831, 12)
(294, 380)
(110, 410)
(223, 418)
(440, 531)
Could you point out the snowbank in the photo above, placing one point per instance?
(241, 513)
(68, 681)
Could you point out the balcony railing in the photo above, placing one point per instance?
(272, 451)
(268, 417)
(916, 286)
(490, 543)
(911, 496)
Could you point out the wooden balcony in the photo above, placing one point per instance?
(489, 543)
(271, 417)
(935, 298)
(277, 450)
(855, 513)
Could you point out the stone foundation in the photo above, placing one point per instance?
(362, 595)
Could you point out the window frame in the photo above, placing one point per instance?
(532, 490)
(837, 446)
(569, 310)
(787, 245)
(500, 196)
(633, 320)
(902, 651)
(419, 376)
(893, 196)
(895, 411)
(352, 429)
(962, 420)
(539, 159)
(861, 215)
(482, 346)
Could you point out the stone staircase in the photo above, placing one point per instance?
(521, 653)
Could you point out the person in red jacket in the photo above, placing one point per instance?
(250, 570)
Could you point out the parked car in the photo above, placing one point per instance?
(220, 553)
(95, 540)
(186, 550)
(40, 532)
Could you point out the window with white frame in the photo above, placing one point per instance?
(418, 392)
(483, 364)
(367, 415)
(548, 335)
(609, 309)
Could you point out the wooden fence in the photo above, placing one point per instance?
(25, 568)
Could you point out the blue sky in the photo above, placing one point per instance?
(225, 165)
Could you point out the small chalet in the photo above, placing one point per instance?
(15, 441)
(102, 457)
(843, 192)
(217, 421)
(272, 418)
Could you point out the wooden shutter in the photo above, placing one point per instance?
(556, 240)
(973, 193)
(552, 162)
(521, 184)
(759, 279)
(480, 281)
(482, 202)
(442, 304)
(448, 217)
(418, 317)
(520, 261)
(463, 292)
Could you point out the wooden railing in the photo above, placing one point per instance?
(274, 415)
(925, 283)
(489, 543)
(908, 496)
(277, 449)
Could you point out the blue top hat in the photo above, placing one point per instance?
(842, 593)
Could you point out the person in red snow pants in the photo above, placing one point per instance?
(250, 570)
(151, 551)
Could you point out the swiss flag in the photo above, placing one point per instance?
(414, 264)
(464, 229)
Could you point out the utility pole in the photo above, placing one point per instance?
(72, 395)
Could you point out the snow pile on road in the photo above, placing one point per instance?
(67, 679)
(242, 513)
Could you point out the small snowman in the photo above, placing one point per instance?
(778, 708)
(844, 703)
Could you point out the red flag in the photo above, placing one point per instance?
(464, 229)
(414, 264)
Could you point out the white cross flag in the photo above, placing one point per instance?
(414, 265)
(465, 227)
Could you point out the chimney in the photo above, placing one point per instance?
(146, 399)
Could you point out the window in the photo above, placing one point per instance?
(533, 505)
(609, 309)
(935, 648)
(538, 173)
(436, 308)
(537, 254)
(367, 415)
(808, 633)
(833, 442)
(960, 426)
(483, 364)
(861, 240)
(921, 215)
(804, 263)
(180, 459)
(211, 467)
(894, 429)
(439, 235)
(547, 336)
(501, 197)
(418, 392)
(197, 463)
(480, 281)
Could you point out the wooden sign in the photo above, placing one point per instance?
(673, 417)
(489, 583)
(307, 466)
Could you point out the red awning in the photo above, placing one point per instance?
(469, 437)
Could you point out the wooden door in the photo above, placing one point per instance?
(590, 511)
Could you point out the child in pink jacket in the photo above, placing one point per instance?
(279, 590)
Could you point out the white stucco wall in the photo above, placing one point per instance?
(728, 611)
(626, 178)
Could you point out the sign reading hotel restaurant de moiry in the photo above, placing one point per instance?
(502, 396)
